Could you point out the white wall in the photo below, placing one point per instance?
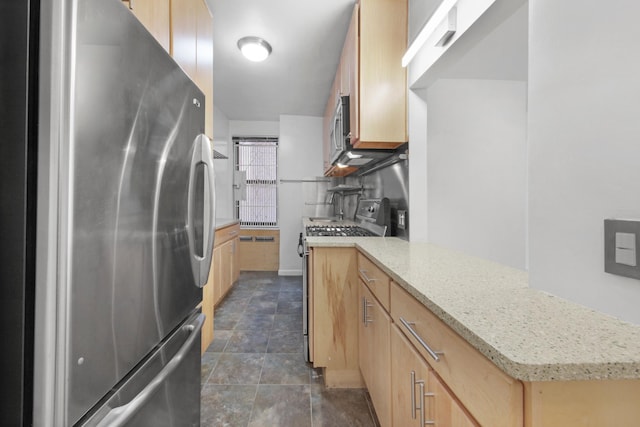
(418, 200)
(584, 136)
(253, 128)
(223, 168)
(300, 156)
(476, 168)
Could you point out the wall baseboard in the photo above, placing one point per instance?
(290, 272)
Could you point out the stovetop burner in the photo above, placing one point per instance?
(337, 230)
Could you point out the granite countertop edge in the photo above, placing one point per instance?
(225, 222)
(568, 361)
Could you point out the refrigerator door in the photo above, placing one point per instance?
(160, 393)
(139, 228)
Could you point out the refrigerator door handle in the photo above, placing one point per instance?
(201, 246)
(120, 415)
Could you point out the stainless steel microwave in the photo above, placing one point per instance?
(339, 132)
(342, 152)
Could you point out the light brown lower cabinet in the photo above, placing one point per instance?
(359, 342)
(207, 309)
(222, 275)
(419, 396)
(375, 353)
(492, 397)
(216, 265)
(333, 316)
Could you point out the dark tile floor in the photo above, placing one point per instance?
(254, 373)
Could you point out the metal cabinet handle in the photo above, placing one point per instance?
(434, 354)
(233, 233)
(365, 311)
(246, 238)
(120, 415)
(422, 408)
(265, 239)
(367, 278)
(413, 395)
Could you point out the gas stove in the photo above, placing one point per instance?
(371, 219)
(337, 230)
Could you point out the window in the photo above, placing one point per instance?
(257, 158)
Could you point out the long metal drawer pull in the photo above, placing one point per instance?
(233, 233)
(120, 415)
(432, 353)
(367, 278)
(246, 238)
(265, 238)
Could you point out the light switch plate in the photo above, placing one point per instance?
(626, 249)
(402, 219)
(621, 239)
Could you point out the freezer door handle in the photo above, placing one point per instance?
(201, 201)
(122, 414)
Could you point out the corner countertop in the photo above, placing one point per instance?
(529, 334)
(225, 222)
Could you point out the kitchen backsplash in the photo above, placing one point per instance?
(391, 182)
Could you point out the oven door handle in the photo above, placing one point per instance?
(300, 246)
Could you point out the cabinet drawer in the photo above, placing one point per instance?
(491, 396)
(226, 234)
(375, 279)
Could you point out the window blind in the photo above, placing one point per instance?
(258, 158)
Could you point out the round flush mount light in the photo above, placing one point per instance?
(254, 48)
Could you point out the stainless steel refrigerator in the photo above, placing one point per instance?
(108, 206)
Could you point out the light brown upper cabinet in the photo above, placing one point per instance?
(155, 16)
(372, 53)
(184, 21)
(204, 62)
(192, 48)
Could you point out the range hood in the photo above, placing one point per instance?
(359, 158)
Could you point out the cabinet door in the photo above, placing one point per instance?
(207, 309)
(184, 23)
(408, 371)
(226, 266)
(382, 79)
(446, 410)
(217, 275)
(204, 61)
(375, 353)
(155, 16)
(334, 315)
(235, 260)
(417, 392)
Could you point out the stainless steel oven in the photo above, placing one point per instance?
(303, 251)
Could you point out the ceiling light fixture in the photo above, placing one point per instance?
(254, 48)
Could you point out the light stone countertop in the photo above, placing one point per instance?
(529, 334)
(225, 222)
